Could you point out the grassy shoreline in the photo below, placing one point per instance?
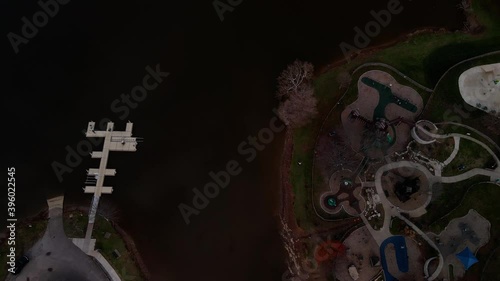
(128, 266)
(75, 223)
(28, 232)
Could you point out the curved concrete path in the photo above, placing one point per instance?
(55, 257)
(431, 243)
(473, 130)
(494, 175)
(487, 148)
(404, 164)
(454, 152)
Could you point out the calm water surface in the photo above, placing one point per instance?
(219, 92)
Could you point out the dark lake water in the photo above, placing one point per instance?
(220, 91)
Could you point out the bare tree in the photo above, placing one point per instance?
(293, 77)
(335, 153)
(471, 24)
(296, 93)
(299, 108)
(108, 210)
(468, 26)
(465, 6)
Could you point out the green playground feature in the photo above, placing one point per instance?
(386, 97)
(390, 139)
(331, 202)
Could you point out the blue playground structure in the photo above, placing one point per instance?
(401, 255)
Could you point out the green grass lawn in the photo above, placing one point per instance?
(27, 234)
(75, 223)
(440, 150)
(424, 58)
(492, 268)
(470, 154)
(447, 98)
(448, 199)
(397, 226)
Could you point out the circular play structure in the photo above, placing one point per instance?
(344, 194)
(419, 132)
(330, 201)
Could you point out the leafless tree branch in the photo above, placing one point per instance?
(295, 75)
(296, 93)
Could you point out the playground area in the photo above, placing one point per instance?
(363, 253)
(380, 119)
(407, 188)
(403, 258)
(344, 194)
(471, 230)
(404, 170)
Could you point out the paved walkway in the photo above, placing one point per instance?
(454, 152)
(402, 164)
(494, 175)
(105, 264)
(80, 243)
(438, 136)
(55, 257)
(431, 243)
(475, 131)
(470, 174)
